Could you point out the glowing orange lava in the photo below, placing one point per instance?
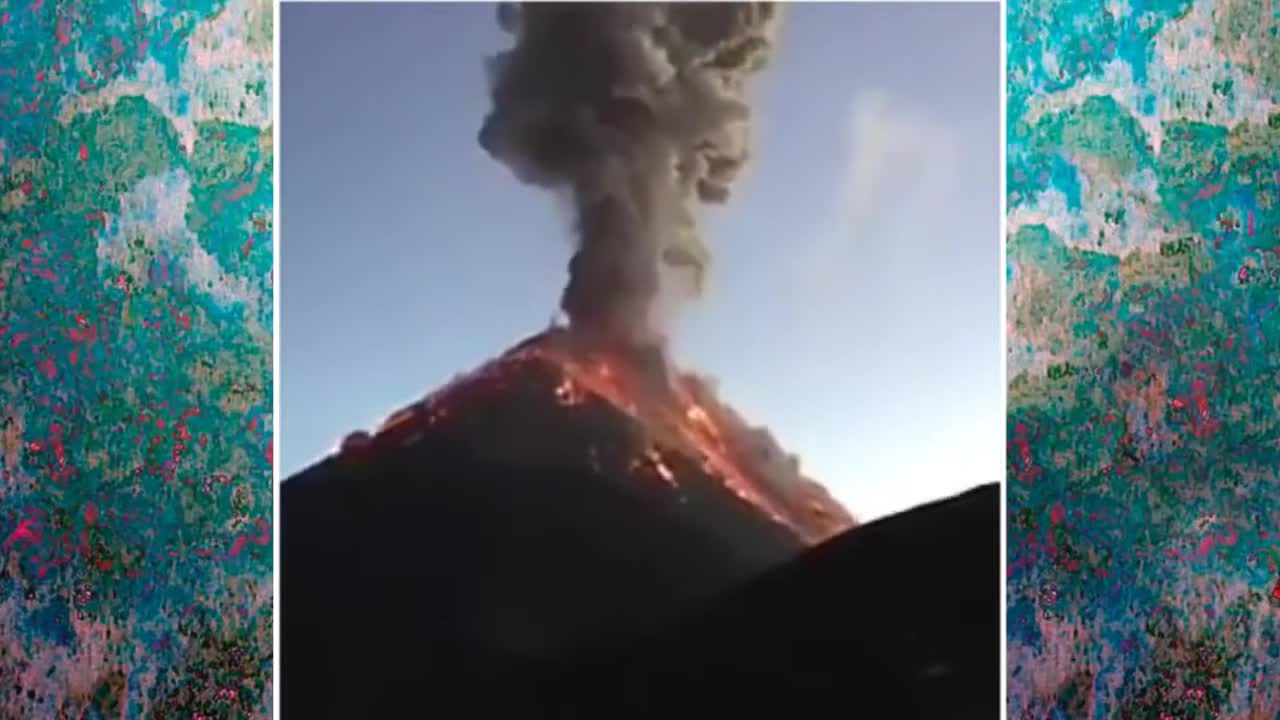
(671, 414)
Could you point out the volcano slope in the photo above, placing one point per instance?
(548, 531)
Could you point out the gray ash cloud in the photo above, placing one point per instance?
(638, 112)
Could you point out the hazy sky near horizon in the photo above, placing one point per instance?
(854, 305)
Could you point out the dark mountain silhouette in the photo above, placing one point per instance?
(533, 544)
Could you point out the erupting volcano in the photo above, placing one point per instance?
(545, 518)
(638, 113)
(586, 435)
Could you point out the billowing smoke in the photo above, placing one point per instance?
(638, 111)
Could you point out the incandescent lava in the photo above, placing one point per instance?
(673, 420)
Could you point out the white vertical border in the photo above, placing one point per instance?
(275, 359)
(1004, 360)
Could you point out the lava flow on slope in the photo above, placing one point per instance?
(675, 419)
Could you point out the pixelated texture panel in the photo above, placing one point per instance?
(135, 359)
(1144, 359)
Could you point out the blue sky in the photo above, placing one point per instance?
(854, 303)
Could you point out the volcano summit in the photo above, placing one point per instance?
(612, 465)
(624, 412)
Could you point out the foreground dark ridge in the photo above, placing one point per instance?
(899, 618)
(901, 614)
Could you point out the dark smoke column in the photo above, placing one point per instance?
(639, 112)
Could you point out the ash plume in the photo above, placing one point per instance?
(638, 112)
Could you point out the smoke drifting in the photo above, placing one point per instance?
(639, 112)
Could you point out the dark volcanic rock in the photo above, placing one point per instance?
(509, 555)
